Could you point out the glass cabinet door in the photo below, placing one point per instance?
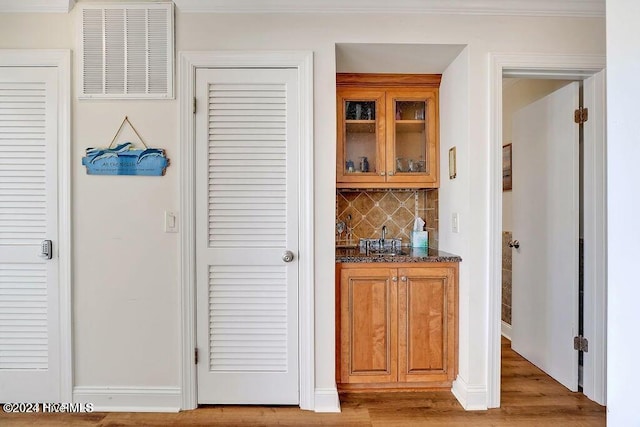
(411, 149)
(361, 136)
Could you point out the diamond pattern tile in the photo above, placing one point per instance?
(404, 218)
(363, 203)
(389, 203)
(377, 216)
(396, 209)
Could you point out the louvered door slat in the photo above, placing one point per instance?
(247, 218)
(23, 309)
(240, 311)
(29, 317)
(18, 159)
(233, 166)
(23, 287)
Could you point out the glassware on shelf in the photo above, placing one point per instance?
(340, 228)
(399, 167)
(359, 110)
(350, 166)
(364, 164)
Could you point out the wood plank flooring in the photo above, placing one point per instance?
(529, 398)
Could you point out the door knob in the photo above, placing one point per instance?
(287, 256)
(514, 244)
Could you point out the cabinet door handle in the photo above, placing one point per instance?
(403, 278)
(382, 173)
(394, 279)
(390, 173)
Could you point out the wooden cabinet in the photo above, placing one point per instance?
(387, 131)
(397, 326)
(369, 313)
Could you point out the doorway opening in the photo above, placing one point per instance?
(589, 70)
(525, 101)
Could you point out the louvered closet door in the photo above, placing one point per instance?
(247, 216)
(29, 325)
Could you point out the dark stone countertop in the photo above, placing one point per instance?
(344, 255)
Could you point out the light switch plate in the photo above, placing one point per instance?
(455, 222)
(170, 222)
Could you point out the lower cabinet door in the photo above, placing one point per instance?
(427, 338)
(368, 325)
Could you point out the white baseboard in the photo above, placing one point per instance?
(129, 399)
(506, 330)
(327, 400)
(472, 398)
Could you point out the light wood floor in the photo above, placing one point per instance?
(529, 398)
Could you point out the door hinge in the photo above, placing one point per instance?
(194, 105)
(581, 115)
(196, 356)
(580, 343)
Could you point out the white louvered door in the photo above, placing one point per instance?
(29, 305)
(247, 176)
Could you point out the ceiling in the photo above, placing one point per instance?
(395, 58)
(591, 8)
(580, 8)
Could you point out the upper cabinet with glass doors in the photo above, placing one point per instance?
(387, 131)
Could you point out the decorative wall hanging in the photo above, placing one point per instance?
(453, 173)
(125, 159)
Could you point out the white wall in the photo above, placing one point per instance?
(126, 287)
(623, 152)
(453, 197)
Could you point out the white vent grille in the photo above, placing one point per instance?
(248, 318)
(126, 51)
(247, 165)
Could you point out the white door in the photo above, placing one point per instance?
(546, 225)
(29, 305)
(247, 200)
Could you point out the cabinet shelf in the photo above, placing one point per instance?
(405, 126)
(361, 126)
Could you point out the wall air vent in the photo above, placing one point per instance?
(126, 50)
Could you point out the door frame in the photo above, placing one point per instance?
(189, 63)
(60, 59)
(549, 66)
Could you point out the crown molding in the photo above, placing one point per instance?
(39, 6)
(571, 8)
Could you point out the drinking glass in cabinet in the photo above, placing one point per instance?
(410, 141)
(360, 110)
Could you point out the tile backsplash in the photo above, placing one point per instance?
(397, 209)
(506, 276)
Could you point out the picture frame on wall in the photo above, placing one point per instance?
(507, 173)
(452, 163)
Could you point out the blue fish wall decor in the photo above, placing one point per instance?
(124, 159)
